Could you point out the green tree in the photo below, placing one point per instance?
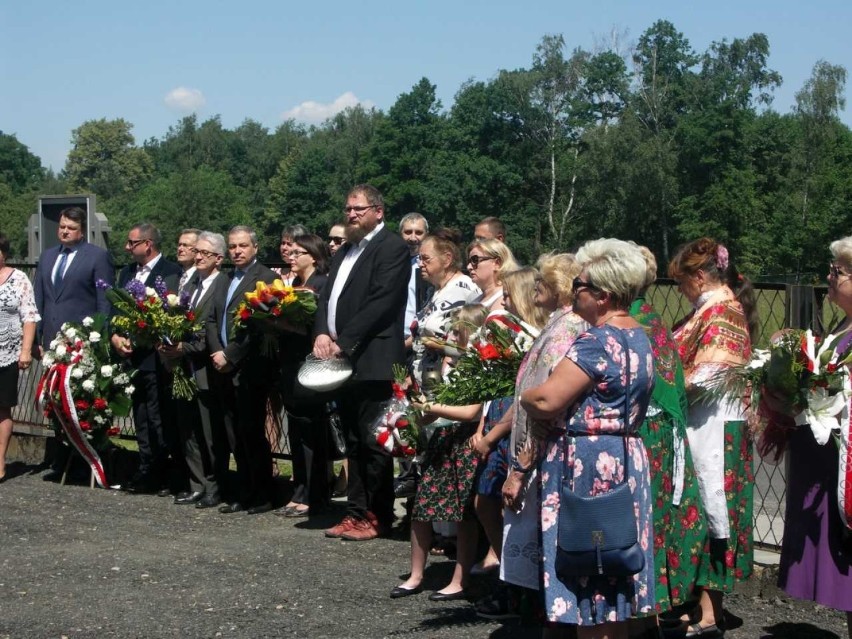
(20, 170)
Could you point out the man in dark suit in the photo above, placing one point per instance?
(65, 278)
(65, 289)
(360, 316)
(248, 373)
(199, 420)
(151, 398)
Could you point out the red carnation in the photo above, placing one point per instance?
(100, 403)
(113, 431)
(81, 404)
(85, 426)
(141, 324)
(190, 316)
(276, 311)
(488, 351)
(245, 314)
(401, 423)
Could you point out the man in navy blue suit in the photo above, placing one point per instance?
(151, 399)
(65, 279)
(65, 289)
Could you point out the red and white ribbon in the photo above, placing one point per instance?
(58, 379)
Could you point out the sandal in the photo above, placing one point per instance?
(704, 632)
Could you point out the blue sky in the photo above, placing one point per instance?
(153, 62)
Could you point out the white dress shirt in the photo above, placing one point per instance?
(343, 274)
(72, 251)
(143, 271)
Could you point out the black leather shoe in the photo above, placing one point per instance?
(260, 508)
(141, 486)
(164, 492)
(188, 498)
(399, 592)
(236, 507)
(208, 501)
(454, 596)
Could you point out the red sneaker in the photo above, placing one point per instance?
(345, 525)
(362, 530)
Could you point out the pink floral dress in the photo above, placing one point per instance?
(595, 462)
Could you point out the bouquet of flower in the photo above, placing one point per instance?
(488, 367)
(397, 429)
(152, 315)
(83, 388)
(269, 303)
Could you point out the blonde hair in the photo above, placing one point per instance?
(520, 284)
(497, 250)
(466, 320)
(558, 271)
(650, 264)
(841, 250)
(616, 267)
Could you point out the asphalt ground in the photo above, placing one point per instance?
(78, 562)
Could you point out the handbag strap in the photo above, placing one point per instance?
(571, 438)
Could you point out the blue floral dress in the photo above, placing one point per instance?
(595, 460)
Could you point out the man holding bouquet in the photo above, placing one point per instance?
(360, 316)
(151, 400)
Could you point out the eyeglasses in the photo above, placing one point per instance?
(836, 271)
(135, 243)
(577, 284)
(358, 210)
(474, 260)
(206, 254)
(336, 240)
(298, 253)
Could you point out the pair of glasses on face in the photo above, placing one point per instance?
(836, 271)
(206, 254)
(475, 260)
(577, 285)
(337, 241)
(358, 210)
(297, 253)
(135, 243)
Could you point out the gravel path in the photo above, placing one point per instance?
(78, 563)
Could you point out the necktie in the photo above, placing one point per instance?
(182, 282)
(235, 282)
(197, 295)
(60, 270)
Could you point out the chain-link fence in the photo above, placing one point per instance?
(779, 306)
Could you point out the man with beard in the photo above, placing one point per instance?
(360, 317)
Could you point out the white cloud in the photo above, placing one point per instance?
(315, 112)
(185, 100)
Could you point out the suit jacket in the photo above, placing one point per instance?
(76, 296)
(197, 354)
(243, 351)
(146, 358)
(371, 306)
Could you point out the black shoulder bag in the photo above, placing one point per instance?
(598, 535)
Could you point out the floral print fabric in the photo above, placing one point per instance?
(595, 463)
(17, 307)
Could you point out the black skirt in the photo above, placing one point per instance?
(9, 385)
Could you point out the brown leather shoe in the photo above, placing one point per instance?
(345, 525)
(362, 530)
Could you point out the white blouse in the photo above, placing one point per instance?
(17, 306)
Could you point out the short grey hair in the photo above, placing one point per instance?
(216, 240)
(413, 217)
(841, 250)
(242, 228)
(616, 267)
(294, 230)
(149, 232)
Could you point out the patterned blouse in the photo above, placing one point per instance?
(17, 306)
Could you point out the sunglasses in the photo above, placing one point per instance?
(577, 284)
(333, 239)
(836, 271)
(474, 260)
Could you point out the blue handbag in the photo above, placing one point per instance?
(598, 535)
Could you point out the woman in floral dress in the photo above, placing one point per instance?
(604, 383)
(717, 335)
(680, 530)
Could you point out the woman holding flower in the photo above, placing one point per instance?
(18, 318)
(816, 554)
(715, 336)
(306, 415)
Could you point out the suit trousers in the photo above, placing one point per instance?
(307, 433)
(245, 425)
(148, 402)
(202, 454)
(370, 480)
